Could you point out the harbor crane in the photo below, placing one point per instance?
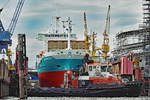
(5, 35)
(87, 37)
(105, 46)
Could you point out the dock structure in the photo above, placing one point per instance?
(137, 42)
(146, 14)
(22, 66)
(134, 41)
(4, 79)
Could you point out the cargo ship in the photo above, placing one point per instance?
(64, 56)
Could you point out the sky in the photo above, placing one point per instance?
(38, 15)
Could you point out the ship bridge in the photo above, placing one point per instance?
(63, 36)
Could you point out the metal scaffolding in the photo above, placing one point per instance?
(136, 41)
(146, 13)
(131, 41)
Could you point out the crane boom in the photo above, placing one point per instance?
(105, 45)
(14, 20)
(107, 27)
(85, 25)
(87, 37)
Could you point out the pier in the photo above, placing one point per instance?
(4, 79)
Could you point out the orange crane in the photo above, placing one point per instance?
(105, 46)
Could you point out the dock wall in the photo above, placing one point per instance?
(4, 79)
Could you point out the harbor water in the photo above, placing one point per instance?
(81, 98)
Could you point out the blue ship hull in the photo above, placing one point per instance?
(50, 64)
(51, 70)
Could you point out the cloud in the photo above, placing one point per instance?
(37, 15)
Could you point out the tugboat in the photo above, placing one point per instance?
(95, 81)
(99, 81)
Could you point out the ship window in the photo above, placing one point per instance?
(94, 67)
(56, 35)
(65, 35)
(46, 35)
(90, 68)
(58, 66)
(103, 68)
(109, 69)
(61, 35)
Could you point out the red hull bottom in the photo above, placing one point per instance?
(53, 79)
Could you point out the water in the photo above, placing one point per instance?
(82, 98)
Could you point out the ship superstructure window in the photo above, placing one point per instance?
(61, 35)
(90, 68)
(103, 68)
(109, 68)
(94, 67)
(65, 35)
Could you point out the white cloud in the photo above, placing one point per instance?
(128, 10)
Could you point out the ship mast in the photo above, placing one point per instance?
(69, 30)
(57, 24)
(63, 22)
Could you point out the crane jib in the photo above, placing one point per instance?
(14, 20)
(5, 36)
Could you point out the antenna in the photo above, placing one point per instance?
(57, 24)
(69, 30)
(64, 27)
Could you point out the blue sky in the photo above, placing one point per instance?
(36, 17)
